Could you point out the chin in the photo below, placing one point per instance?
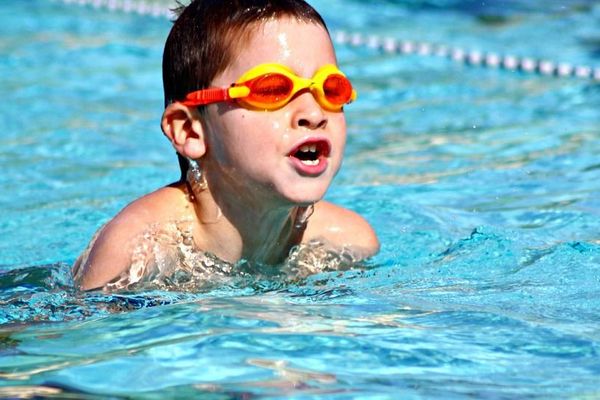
(304, 195)
(303, 190)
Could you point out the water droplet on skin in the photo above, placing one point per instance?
(283, 42)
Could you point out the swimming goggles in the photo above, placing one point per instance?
(272, 86)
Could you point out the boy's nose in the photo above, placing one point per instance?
(308, 113)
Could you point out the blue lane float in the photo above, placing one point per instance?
(475, 58)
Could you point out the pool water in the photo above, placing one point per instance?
(483, 186)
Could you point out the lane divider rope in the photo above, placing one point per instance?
(390, 45)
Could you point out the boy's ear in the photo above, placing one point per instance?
(182, 126)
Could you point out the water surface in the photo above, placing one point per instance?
(483, 186)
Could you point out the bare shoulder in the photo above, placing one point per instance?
(109, 253)
(342, 228)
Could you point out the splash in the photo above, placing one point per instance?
(165, 257)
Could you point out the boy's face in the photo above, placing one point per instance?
(256, 152)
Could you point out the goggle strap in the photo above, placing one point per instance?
(206, 96)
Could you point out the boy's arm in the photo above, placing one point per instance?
(342, 228)
(107, 256)
(110, 252)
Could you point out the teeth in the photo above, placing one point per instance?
(310, 162)
(308, 148)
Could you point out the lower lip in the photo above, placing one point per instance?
(310, 170)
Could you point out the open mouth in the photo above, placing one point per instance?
(310, 153)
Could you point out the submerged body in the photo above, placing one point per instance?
(166, 240)
(256, 197)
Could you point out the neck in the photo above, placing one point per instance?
(233, 228)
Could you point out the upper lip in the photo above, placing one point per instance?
(323, 145)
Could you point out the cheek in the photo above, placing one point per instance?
(258, 134)
(338, 131)
(240, 135)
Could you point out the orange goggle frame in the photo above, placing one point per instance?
(272, 86)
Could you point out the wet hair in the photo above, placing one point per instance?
(206, 36)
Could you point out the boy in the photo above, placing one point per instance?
(258, 144)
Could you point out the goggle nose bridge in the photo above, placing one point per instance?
(308, 85)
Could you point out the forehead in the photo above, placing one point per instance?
(302, 46)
